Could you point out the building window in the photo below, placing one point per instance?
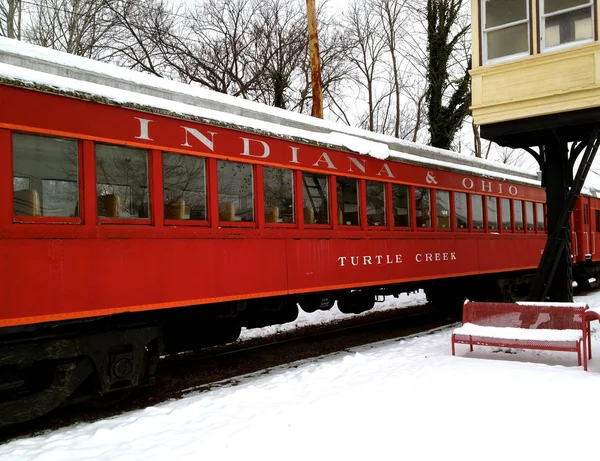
(460, 209)
(279, 195)
(347, 200)
(540, 216)
(236, 191)
(400, 204)
(316, 198)
(442, 209)
(518, 204)
(492, 209)
(122, 182)
(423, 206)
(477, 210)
(505, 28)
(506, 215)
(45, 176)
(184, 179)
(529, 215)
(376, 203)
(566, 21)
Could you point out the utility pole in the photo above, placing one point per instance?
(315, 61)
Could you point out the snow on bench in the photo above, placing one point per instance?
(519, 333)
(542, 326)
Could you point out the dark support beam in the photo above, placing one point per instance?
(554, 277)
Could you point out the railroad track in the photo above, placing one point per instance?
(218, 366)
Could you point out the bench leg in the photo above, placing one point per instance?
(585, 356)
(589, 334)
(453, 351)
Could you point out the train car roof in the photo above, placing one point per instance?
(45, 69)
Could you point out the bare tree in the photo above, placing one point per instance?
(282, 25)
(366, 49)
(76, 26)
(10, 18)
(392, 17)
(137, 37)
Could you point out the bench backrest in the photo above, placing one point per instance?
(555, 316)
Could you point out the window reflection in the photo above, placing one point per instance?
(540, 216)
(184, 179)
(236, 191)
(400, 204)
(518, 204)
(477, 210)
(122, 182)
(492, 210)
(316, 198)
(347, 199)
(442, 207)
(423, 206)
(45, 176)
(529, 213)
(376, 203)
(506, 215)
(460, 208)
(279, 195)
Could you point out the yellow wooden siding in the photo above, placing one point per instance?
(542, 84)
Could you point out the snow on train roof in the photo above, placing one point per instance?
(30, 64)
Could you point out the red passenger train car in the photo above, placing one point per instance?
(134, 223)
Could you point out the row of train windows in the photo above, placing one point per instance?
(46, 183)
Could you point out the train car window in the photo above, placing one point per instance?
(315, 198)
(492, 211)
(184, 180)
(518, 205)
(597, 220)
(279, 195)
(442, 209)
(477, 211)
(423, 206)
(45, 176)
(401, 205)
(529, 216)
(586, 213)
(460, 208)
(347, 201)
(540, 216)
(236, 191)
(506, 215)
(122, 182)
(376, 203)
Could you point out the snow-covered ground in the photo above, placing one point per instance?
(399, 399)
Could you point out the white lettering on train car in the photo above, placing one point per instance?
(144, 122)
(434, 257)
(325, 158)
(468, 183)
(266, 149)
(210, 143)
(377, 260)
(361, 166)
(386, 168)
(294, 154)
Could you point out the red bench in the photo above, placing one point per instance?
(542, 326)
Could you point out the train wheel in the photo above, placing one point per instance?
(355, 302)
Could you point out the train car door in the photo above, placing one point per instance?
(594, 226)
(581, 228)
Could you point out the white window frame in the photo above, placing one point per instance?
(562, 46)
(485, 31)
